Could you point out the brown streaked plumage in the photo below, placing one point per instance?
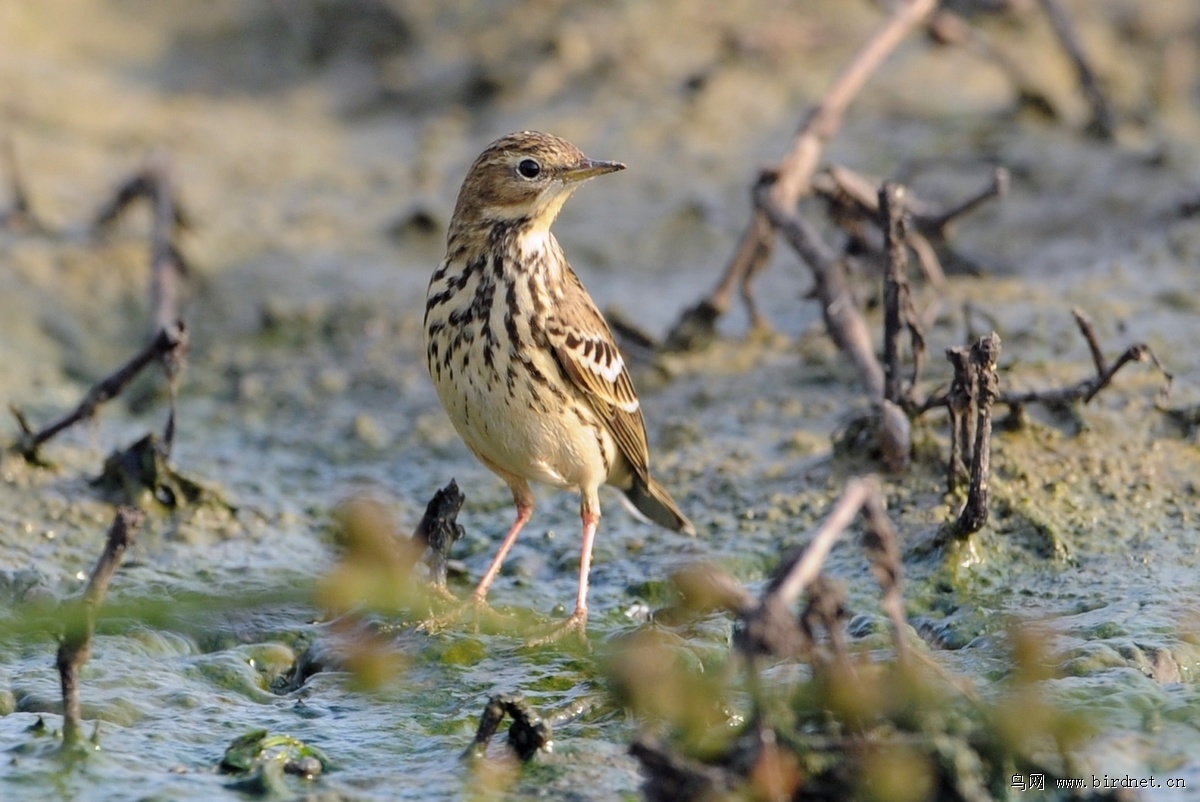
(522, 359)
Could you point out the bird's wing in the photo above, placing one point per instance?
(584, 347)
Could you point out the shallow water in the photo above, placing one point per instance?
(305, 383)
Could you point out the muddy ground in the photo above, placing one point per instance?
(318, 146)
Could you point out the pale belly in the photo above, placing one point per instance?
(529, 433)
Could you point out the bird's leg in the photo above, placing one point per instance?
(442, 593)
(591, 520)
(576, 623)
(523, 498)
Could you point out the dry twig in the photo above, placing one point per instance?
(983, 357)
(843, 320)
(168, 343)
(438, 531)
(671, 777)
(167, 270)
(895, 286)
(897, 299)
(19, 216)
(883, 547)
(1084, 390)
(769, 629)
(793, 175)
(1103, 124)
(165, 344)
(949, 28)
(853, 199)
(76, 646)
(960, 402)
(1087, 389)
(143, 184)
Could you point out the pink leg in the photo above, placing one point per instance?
(523, 498)
(576, 623)
(590, 521)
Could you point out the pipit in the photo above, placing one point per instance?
(522, 359)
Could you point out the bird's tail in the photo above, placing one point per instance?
(652, 500)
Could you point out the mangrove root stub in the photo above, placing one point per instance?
(439, 530)
(984, 355)
(526, 736)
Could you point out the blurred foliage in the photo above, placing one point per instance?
(872, 729)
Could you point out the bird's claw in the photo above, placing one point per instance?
(442, 593)
(575, 625)
(475, 609)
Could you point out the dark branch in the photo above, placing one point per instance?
(167, 270)
(19, 216)
(883, 548)
(1103, 124)
(165, 344)
(960, 402)
(526, 736)
(895, 284)
(984, 355)
(1089, 333)
(1139, 352)
(168, 343)
(936, 224)
(166, 264)
(1084, 390)
(141, 185)
(1087, 389)
(768, 628)
(843, 320)
(795, 173)
(841, 185)
(948, 28)
(76, 646)
(438, 531)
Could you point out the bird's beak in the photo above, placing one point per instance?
(589, 168)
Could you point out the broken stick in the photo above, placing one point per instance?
(794, 174)
(76, 646)
(843, 320)
(984, 355)
(1104, 122)
(105, 390)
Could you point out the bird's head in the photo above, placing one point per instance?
(523, 179)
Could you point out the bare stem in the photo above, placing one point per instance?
(843, 320)
(895, 285)
(984, 354)
(1103, 123)
(105, 390)
(76, 646)
(883, 547)
(1089, 333)
(960, 401)
(793, 577)
(794, 172)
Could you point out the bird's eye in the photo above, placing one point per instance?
(529, 168)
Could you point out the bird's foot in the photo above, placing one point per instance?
(575, 625)
(475, 610)
(442, 593)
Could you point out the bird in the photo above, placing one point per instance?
(522, 359)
